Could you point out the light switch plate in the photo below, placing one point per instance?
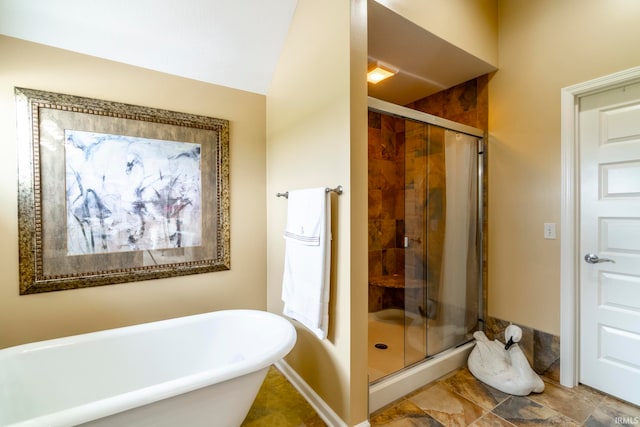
(549, 230)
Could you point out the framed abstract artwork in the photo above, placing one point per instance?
(111, 193)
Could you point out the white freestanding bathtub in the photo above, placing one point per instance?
(201, 370)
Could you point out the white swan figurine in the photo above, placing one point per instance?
(504, 366)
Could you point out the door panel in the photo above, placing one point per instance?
(621, 124)
(609, 138)
(619, 292)
(621, 235)
(620, 179)
(619, 347)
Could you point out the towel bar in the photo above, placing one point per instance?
(337, 190)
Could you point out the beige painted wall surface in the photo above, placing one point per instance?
(359, 228)
(470, 25)
(54, 314)
(544, 45)
(309, 117)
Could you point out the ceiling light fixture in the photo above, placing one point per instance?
(379, 73)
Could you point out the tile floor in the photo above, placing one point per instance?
(457, 399)
(279, 404)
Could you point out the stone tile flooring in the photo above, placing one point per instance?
(457, 399)
(279, 404)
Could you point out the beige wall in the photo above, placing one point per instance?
(470, 25)
(54, 314)
(316, 137)
(544, 45)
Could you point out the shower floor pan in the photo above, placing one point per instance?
(389, 378)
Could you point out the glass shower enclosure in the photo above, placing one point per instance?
(425, 286)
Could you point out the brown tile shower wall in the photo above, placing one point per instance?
(424, 209)
(386, 210)
(388, 187)
(467, 103)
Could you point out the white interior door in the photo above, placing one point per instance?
(609, 145)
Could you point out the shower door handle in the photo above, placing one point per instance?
(408, 240)
(595, 259)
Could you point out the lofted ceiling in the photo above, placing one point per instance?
(233, 43)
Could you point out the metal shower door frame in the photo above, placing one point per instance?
(385, 107)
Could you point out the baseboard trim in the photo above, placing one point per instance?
(324, 411)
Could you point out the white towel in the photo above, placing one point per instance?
(307, 259)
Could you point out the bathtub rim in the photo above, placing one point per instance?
(160, 391)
